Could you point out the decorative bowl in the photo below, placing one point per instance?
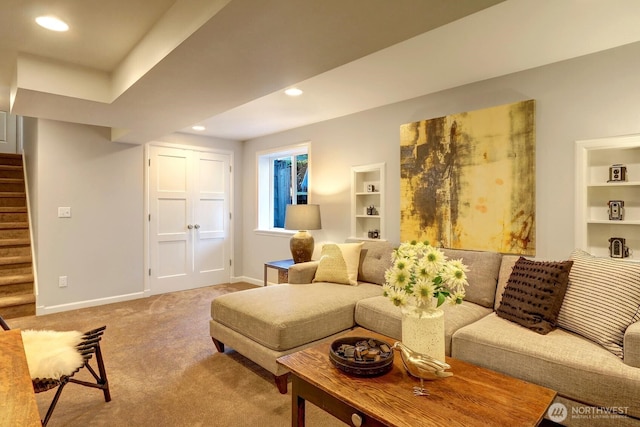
(361, 356)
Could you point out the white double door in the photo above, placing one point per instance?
(189, 219)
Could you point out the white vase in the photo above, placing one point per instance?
(423, 331)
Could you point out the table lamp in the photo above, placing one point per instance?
(302, 218)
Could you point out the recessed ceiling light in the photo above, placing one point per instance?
(198, 128)
(294, 91)
(52, 23)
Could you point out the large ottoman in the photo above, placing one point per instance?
(265, 323)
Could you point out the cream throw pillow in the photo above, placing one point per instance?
(339, 263)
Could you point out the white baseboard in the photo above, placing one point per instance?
(41, 310)
(257, 282)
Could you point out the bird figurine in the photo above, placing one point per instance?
(421, 366)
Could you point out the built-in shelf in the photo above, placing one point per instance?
(611, 222)
(614, 184)
(593, 227)
(367, 192)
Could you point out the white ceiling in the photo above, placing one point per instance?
(147, 68)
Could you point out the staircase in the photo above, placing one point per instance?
(16, 272)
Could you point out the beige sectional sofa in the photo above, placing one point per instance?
(595, 386)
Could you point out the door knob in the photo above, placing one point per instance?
(197, 226)
(189, 226)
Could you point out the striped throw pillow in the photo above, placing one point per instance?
(602, 299)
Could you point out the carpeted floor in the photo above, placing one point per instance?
(163, 369)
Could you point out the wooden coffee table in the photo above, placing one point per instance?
(472, 396)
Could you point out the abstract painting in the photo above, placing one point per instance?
(467, 180)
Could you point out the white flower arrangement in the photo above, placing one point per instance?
(423, 278)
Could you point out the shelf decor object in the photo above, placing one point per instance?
(616, 210)
(618, 247)
(302, 218)
(617, 173)
(607, 170)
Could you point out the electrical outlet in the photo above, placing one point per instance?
(62, 281)
(64, 212)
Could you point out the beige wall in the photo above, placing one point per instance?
(588, 97)
(101, 247)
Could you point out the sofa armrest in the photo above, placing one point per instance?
(632, 345)
(303, 272)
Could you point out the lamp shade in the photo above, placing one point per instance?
(302, 217)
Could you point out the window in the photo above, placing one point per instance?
(283, 179)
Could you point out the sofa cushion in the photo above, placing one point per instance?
(339, 263)
(375, 259)
(380, 315)
(632, 345)
(482, 275)
(602, 299)
(534, 294)
(281, 317)
(302, 272)
(506, 267)
(575, 367)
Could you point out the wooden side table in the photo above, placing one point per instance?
(283, 269)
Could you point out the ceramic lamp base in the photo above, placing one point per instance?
(301, 245)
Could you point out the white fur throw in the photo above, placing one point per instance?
(52, 354)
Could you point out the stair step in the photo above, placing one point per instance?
(13, 225)
(13, 209)
(13, 202)
(23, 310)
(10, 260)
(20, 233)
(18, 305)
(13, 194)
(13, 172)
(13, 217)
(15, 279)
(15, 182)
(15, 270)
(11, 187)
(15, 251)
(17, 300)
(11, 289)
(15, 242)
(11, 159)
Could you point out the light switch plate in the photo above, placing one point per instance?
(64, 212)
